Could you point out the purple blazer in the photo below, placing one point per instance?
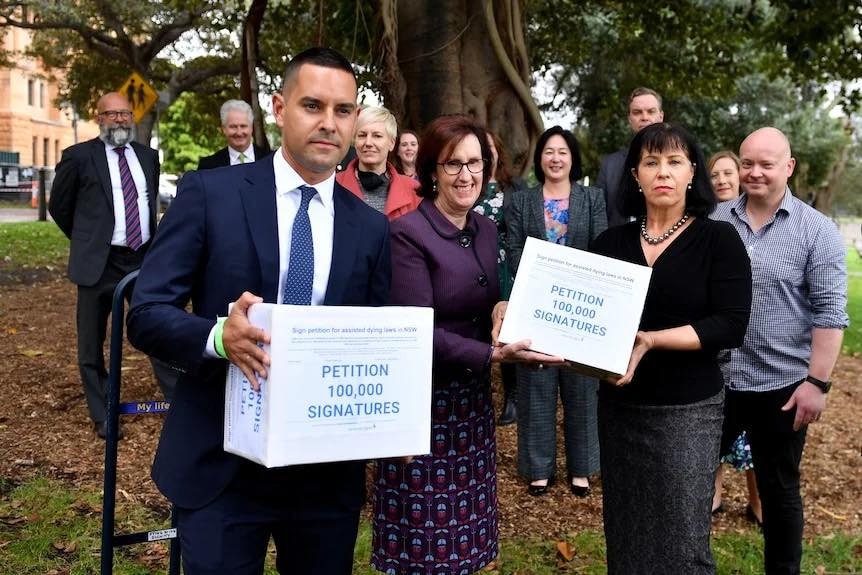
(434, 264)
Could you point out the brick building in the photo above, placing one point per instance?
(31, 124)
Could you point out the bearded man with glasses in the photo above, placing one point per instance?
(104, 200)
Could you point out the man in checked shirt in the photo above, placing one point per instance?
(778, 380)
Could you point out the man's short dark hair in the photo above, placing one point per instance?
(642, 91)
(317, 56)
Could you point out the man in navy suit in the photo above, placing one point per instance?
(237, 125)
(645, 109)
(228, 238)
(109, 220)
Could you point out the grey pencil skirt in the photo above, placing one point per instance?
(658, 471)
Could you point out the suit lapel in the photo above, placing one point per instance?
(577, 215)
(344, 244)
(537, 213)
(257, 195)
(100, 159)
(145, 158)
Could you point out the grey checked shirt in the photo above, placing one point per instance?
(799, 282)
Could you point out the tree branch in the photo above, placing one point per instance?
(520, 87)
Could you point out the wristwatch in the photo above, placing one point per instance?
(824, 386)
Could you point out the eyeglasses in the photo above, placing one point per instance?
(114, 114)
(454, 167)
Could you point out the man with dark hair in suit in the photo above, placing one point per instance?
(104, 200)
(645, 109)
(237, 122)
(280, 230)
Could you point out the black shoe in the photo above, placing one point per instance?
(578, 490)
(539, 490)
(510, 413)
(101, 428)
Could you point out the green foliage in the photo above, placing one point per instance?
(32, 244)
(344, 25)
(50, 527)
(190, 129)
(723, 67)
(853, 335)
(96, 46)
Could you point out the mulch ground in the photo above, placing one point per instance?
(44, 429)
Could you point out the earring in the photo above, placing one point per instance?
(640, 189)
(689, 186)
(434, 186)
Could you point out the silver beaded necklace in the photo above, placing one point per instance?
(659, 239)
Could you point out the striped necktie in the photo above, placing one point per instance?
(300, 270)
(130, 201)
(242, 157)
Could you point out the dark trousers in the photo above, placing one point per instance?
(537, 422)
(777, 452)
(230, 535)
(94, 307)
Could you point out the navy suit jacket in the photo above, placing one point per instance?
(222, 158)
(219, 239)
(82, 204)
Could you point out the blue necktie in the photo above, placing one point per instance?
(300, 270)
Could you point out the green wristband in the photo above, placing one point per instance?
(217, 337)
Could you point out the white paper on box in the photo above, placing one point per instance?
(344, 383)
(577, 305)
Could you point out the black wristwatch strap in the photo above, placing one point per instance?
(824, 386)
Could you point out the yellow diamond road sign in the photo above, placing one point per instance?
(140, 94)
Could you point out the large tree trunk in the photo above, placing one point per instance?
(248, 78)
(460, 56)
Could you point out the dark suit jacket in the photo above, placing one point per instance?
(82, 204)
(526, 218)
(219, 239)
(609, 180)
(222, 158)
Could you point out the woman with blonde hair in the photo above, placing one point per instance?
(370, 176)
(723, 168)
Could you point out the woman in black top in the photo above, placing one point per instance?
(660, 424)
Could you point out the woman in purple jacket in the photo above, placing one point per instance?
(438, 513)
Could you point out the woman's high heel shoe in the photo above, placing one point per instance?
(578, 490)
(539, 490)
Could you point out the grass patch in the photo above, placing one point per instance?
(48, 527)
(853, 335)
(32, 244)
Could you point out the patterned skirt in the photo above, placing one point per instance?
(438, 514)
(658, 475)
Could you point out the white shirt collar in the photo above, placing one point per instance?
(287, 180)
(234, 154)
(111, 148)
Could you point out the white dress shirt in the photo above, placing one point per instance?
(321, 213)
(234, 155)
(119, 236)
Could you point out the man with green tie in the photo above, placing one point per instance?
(237, 121)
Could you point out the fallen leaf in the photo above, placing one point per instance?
(31, 353)
(62, 546)
(565, 550)
(831, 514)
(12, 520)
(11, 330)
